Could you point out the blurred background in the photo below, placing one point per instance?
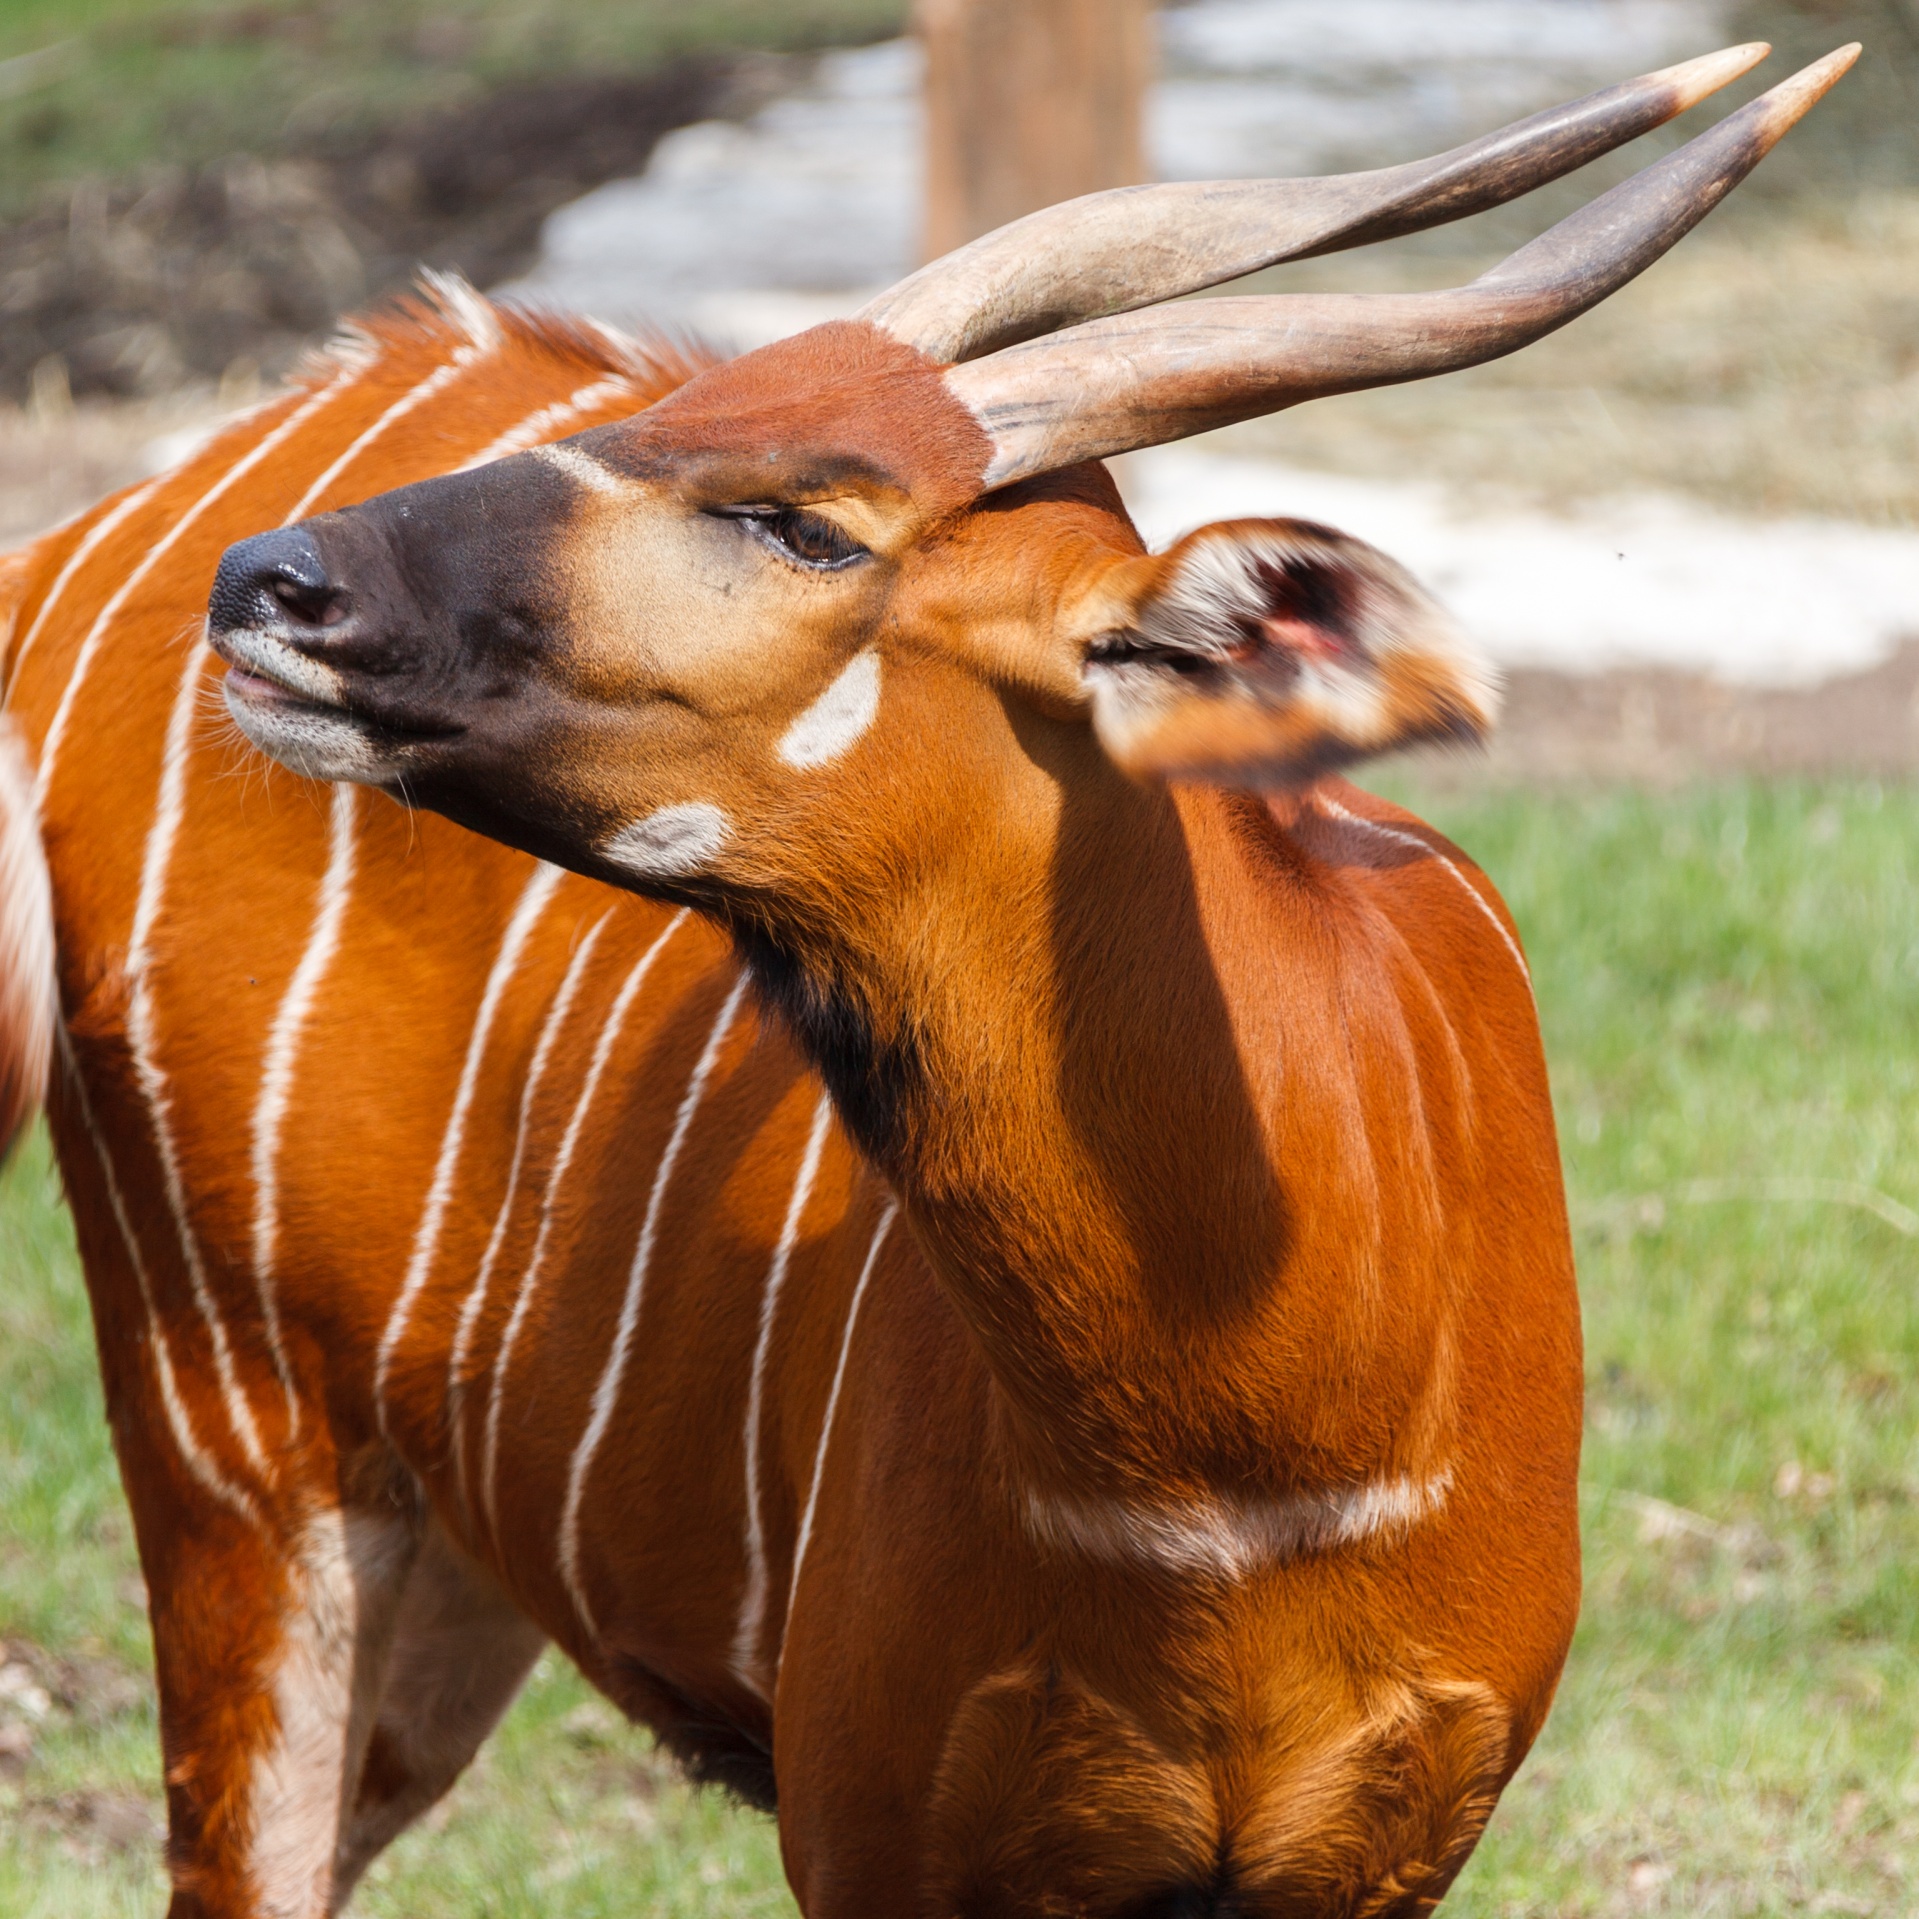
(1714, 479)
(1687, 526)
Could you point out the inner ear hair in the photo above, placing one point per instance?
(1266, 652)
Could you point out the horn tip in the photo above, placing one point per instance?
(1693, 80)
(1791, 100)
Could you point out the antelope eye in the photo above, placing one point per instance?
(809, 539)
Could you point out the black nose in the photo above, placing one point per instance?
(275, 579)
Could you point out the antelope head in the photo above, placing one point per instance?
(850, 644)
(787, 641)
(686, 651)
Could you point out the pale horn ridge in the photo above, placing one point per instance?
(1109, 386)
(1111, 252)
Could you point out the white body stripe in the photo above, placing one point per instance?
(746, 1636)
(276, 1072)
(199, 1462)
(1232, 1538)
(152, 1080)
(562, 1160)
(804, 1538)
(1413, 840)
(102, 528)
(435, 382)
(606, 1393)
(351, 372)
(475, 1302)
(537, 426)
(534, 899)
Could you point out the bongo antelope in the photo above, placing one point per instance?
(975, 1235)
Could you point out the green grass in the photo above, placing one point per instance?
(1730, 989)
(1730, 986)
(128, 83)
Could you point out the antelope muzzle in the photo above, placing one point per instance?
(388, 642)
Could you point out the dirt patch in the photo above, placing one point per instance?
(57, 459)
(44, 1694)
(97, 1825)
(1660, 729)
(177, 276)
(85, 1685)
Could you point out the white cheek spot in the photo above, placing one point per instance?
(581, 467)
(838, 717)
(675, 840)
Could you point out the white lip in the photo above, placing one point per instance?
(294, 710)
(318, 742)
(265, 654)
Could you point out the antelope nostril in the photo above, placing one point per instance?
(310, 605)
(278, 578)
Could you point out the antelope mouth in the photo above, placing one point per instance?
(303, 714)
(264, 666)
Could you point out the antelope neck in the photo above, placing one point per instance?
(1038, 1048)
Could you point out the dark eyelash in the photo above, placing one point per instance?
(810, 539)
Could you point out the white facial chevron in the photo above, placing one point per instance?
(838, 717)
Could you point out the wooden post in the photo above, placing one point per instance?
(1028, 102)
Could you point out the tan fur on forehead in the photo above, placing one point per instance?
(838, 395)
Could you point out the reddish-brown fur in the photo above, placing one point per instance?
(1228, 1174)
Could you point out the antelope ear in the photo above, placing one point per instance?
(1267, 652)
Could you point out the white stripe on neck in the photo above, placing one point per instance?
(1231, 1538)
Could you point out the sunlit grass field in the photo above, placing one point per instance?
(1730, 986)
